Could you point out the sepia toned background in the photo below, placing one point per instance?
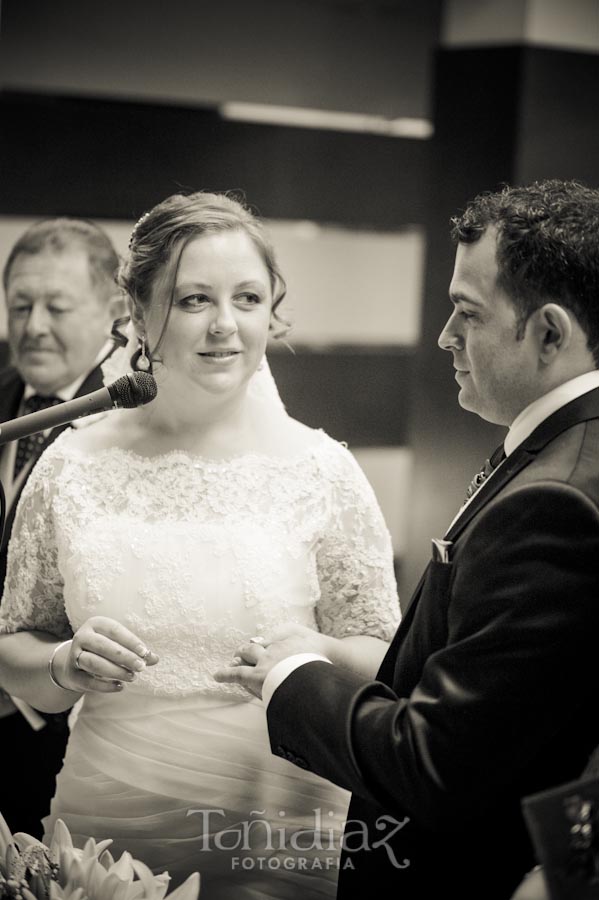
(356, 128)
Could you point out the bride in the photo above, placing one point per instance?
(150, 544)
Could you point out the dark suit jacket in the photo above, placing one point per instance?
(11, 393)
(489, 691)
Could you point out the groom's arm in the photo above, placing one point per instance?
(282, 670)
(522, 621)
(310, 715)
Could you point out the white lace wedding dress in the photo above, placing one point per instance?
(195, 556)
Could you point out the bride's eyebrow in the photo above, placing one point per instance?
(250, 285)
(192, 286)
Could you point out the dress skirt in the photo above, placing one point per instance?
(190, 784)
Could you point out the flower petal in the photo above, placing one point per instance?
(107, 859)
(189, 890)
(61, 838)
(5, 837)
(123, 868)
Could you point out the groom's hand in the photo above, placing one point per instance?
(254, 659)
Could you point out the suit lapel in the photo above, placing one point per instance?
(11, 392)
(581, 409)
(517, 461)
(92, 382)
(387, 667)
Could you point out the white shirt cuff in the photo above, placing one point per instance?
(283, 669)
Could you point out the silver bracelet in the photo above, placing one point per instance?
(51, 665)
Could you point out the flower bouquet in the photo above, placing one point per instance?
(31, 871)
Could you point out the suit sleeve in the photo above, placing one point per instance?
(517, 665)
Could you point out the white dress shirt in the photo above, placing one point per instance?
(525, 423)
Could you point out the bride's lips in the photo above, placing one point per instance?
(219, 357)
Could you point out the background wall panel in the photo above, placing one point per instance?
(115, 159)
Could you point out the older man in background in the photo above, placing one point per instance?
(61, 300)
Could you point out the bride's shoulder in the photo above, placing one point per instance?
(305, 439)
(293, 438)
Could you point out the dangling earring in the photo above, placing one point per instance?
(143, 363)
(139, 360)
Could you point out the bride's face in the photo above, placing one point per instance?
(218, 326)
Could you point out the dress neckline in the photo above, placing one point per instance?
(198, 460)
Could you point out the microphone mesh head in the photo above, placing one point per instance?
(133, 389)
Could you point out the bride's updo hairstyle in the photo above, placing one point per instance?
(161, 235)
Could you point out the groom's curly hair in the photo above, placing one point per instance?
(547, 247)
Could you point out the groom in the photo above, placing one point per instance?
(490, 689)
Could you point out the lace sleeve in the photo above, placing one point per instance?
(355, 560)
(33, 590)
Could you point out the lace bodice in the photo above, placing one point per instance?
(195, 556)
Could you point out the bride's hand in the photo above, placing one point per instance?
(256, 657)
(316, 641)
(102, 656)
(358, 653)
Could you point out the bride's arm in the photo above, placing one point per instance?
(38, 652)
(358, 611)
(51, 675)
(24, 673)
(32, 616)
(359, 653)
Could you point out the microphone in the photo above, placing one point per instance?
(128, 391)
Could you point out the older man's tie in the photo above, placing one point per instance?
(31, 445)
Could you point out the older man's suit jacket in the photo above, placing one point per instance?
(489, 690)
(30, 759)
(11, 394)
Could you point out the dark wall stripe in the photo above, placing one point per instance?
(357, 396)
(362, 398)
(558, 116)
(112, 159)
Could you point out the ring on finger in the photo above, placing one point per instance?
(77, 663)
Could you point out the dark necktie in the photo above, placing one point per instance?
(490, 464)
(30, 446)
